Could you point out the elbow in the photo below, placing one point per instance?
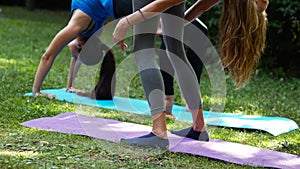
(47, 57)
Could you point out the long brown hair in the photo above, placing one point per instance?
(242, 38)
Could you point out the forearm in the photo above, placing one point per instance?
(71, 72)
(44, 67)
(75, 71)
(152, 9)
(199, 8)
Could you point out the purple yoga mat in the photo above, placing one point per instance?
(112, 130)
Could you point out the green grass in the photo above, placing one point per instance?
(25, 36)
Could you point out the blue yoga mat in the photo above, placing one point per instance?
(272, 125)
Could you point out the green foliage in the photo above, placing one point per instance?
(283, 42)
(283, 37)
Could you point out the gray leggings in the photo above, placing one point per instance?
(144, 52)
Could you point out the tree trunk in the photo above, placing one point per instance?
(30, 4)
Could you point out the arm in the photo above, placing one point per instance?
(152, 9)
(76, 25)
(73, 70)
(199, 8)
(74, 65)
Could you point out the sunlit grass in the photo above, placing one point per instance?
(25, 36)
(25, 154)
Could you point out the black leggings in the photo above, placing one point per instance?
(122, 8)
(193, 58)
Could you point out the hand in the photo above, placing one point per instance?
(120, 33)
(72, 90)
(121, 44)
(159, 28)
(50, 96)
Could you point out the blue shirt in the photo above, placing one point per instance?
(98, 10)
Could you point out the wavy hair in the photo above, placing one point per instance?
(242, 38)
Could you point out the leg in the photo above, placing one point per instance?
(193, 58)
(151, 80)
(167, 70)
(167, 73)
(122, 8)
(185, 75)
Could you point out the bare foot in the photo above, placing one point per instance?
(83, 93)
(80, 92)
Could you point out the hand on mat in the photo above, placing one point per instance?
(80, 92)
(72, 90)
(50, 96)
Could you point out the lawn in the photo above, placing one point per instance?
(24, 37)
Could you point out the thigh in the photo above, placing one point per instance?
(144, 32)
(171, 19)
(172, 24)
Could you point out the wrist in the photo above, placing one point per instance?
(126, 23)
(35, 91)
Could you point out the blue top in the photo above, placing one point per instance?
(98, 10)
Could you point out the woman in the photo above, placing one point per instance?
(105, 86)
(87, 18)
(247, 32)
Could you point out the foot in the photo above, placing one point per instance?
(191, 133)
(149, 140)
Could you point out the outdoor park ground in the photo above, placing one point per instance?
(24, 37)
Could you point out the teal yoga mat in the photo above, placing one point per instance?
(272, 125)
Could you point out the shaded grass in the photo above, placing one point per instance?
(24, 37)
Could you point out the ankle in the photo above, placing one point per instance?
(169, 101)
(159, 126)
(199, 128)
(160, 133)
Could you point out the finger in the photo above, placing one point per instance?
(51, 96)
(123, 49)
(125, 45)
